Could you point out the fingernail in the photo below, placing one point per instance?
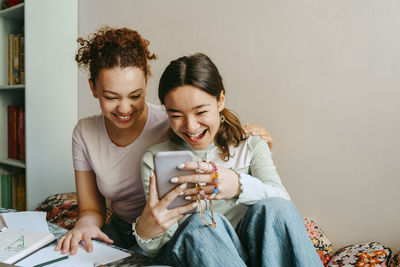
(188, 197)
(181, 166)
(174, 180)
(152, 173)
(194, 205)
(183, 186)
(181, 193)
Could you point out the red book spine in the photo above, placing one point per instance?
(15, 133)
(12, 132)
(10, 128)
(21, 134)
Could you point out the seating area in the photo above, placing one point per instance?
(62, 210)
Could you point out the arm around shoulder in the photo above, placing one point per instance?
(263, 180)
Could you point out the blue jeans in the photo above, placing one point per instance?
(271, 233)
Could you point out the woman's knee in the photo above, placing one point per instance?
(275, 206)
(193, 228)
(195, 220)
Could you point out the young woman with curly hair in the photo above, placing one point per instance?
(107, 148)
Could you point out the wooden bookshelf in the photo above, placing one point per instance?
(49, 94)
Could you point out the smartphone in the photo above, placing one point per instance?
(166, 167)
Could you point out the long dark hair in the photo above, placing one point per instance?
(199, 71)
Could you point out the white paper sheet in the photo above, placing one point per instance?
(26, 220)
(102, 254)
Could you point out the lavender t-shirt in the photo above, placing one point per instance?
(117, 168)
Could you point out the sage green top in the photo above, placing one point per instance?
(258, 179)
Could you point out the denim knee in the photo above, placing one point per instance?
(275, 205)
(195, 219)
(195, 242)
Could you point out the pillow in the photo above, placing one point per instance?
(371, 254)
(319, 240)
(62, 210)
(395, 260)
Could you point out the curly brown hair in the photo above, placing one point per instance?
(113, 47)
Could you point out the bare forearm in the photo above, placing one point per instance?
(91, 217)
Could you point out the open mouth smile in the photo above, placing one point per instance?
(195, 138)
(124, 118)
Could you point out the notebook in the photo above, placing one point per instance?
(101, 254)
(16, 244)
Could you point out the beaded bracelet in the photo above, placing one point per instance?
(201, 195)
(215, 180)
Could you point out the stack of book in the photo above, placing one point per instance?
(16, 132)
(13, 194)
(16, 54)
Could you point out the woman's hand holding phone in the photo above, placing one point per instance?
(156, 218)
(228, 180)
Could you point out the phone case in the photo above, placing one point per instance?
(165, 165)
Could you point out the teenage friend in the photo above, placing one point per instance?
(108, 148)
(234, 173)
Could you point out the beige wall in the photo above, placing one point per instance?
(322, 76)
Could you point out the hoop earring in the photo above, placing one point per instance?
(222, 118)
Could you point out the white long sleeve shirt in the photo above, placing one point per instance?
(258, 177)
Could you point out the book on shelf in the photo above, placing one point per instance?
(10, 56)
(13, 190)
(5, 190)
(16, 132)
(16, 57)
(22, 59)
(15, 60)
(12, 123)
(21, 192)
(21, 134)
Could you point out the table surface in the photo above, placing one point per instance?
(132, 261)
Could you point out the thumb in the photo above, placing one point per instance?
(152, 196)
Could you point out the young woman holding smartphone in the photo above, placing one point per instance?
(108, 148)
(233, 170)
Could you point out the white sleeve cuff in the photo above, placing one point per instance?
(153, 245)
(253, 190)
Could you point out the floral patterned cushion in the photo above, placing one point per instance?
(62, 209)
(319, 240)
(395, 261)
(371, 254)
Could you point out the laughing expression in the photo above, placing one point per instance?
(194, 115)
(121, 93)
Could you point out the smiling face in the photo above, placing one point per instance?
(121, 93)
(194, 115)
